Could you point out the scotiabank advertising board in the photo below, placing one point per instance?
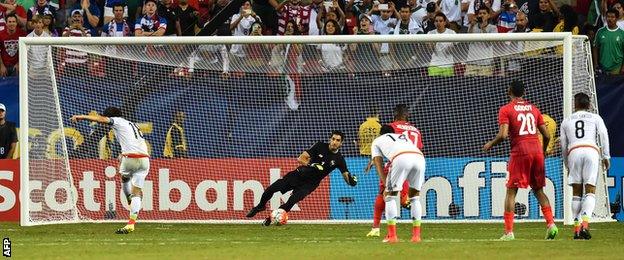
(180, 189)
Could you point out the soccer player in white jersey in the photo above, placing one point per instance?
(408, 163)
(134, 158)
(581, 155)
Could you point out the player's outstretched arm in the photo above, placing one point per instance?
(378, 162)
(93, 118)
(349, 178)
(503, 133)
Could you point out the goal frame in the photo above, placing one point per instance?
(25, 42)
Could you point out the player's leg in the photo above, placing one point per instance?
(298, 194)
(140, 169)
(575, 179)
(538, 181)
(415, 180)
(394, 185)
(378, 209)
(518, 169)
(590, 175)
(282, 185)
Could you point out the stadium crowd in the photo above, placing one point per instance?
(125, 18)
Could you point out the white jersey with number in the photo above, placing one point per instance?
(129, 136)
(407, 161)
(581, 130)
(391, 145)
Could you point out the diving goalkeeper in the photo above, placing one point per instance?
(316, 163)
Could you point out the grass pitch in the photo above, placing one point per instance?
(347, 241)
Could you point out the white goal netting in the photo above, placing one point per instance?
(246, 115)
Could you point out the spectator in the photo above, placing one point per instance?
(175, 140)
(608, 48)
(315, 9)
(189, 18)
(38, 53)
(384, 24)
(91, 15)
(118, 26)
(331, 12)
(266, 9)
(76, 61)
(331, 52)
(475, 5)
(442, 60)
(514, 63)
(167, 10)
(507, 17)
(293, 10)
(256, 58)
(109, 12)
(8, 135)
(452, 11)
(9, 39)
(402, 52)
(548, 12)
(406, 24)
(365, 55)
(428, 23)
(568, 21)
(241, 26)
(361, 7)
(522, 23)
(217, 6)
(284, 57)
(418, 11)
(48, 25)
(618, 7)
(41, 8)
(150, 24)
(480, 54)
(10, 7)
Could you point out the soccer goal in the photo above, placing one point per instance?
(227, 116)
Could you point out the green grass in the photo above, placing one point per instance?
(215, 241)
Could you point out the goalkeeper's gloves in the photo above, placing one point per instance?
(317, 166)
(352, 180)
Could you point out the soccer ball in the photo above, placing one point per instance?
(279, 217)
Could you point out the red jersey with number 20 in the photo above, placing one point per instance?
(407, 129)
(523, 119)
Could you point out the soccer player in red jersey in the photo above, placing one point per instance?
(400, 126)
(519, 120)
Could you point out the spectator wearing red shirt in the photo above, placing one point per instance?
(10, 7)
(9, 39)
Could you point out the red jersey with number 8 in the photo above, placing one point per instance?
(523, 119)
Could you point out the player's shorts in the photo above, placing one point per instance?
(108, 11)
(525, 170)
(408, 166)
(136, 168)
(583, 165)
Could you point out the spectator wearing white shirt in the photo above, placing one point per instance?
(240, 25)
(384, 24)
(480, 54)
(418, 10)
(38, 53)
(403, 52)
(442, 61)
(452, 10)
(332, 53)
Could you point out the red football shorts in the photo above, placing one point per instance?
(525, 170)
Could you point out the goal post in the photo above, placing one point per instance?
(246, 119)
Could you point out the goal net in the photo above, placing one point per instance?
(227, 116)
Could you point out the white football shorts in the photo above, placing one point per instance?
(407, 166)
(583, 165)
(136, 168)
